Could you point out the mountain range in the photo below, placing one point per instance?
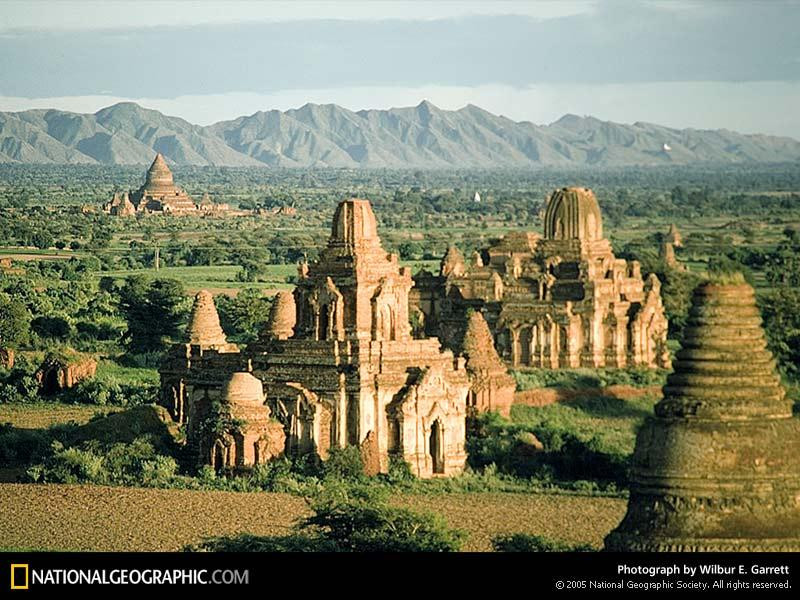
(327, 135)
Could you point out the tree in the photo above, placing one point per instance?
(154, 310)
(780, 310)
(52, 327)
(244, 315)
(15, 322)
(783, 264)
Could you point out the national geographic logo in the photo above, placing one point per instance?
(19, 577)
(22, 576)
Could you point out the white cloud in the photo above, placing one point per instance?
(128, 14)
(748, 107)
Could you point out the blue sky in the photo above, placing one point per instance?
(709, 64)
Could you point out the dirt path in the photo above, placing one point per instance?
(71, 517)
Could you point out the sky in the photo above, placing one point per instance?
(703, 64)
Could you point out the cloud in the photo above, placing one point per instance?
(83, 15)
(616, 43)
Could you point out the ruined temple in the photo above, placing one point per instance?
(717, 467)
(674, 236)
(562, 300)
(235, 430)
(160, 195)
(344, 370)
(204, 335)
(491, 387)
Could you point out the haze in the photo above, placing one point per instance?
(733, 65)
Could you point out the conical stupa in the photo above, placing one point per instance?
(282, 317)
(204, 328)
(491, 387)
(159, 175)
(717, 468)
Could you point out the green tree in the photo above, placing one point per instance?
(783, 264)
(154, 310)
(15, 322)
(244, 315)
(780, 310)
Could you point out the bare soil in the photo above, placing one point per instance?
(82, 518)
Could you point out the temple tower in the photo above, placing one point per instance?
(491, 387)
(356, 290)
(573, 213)
(717, 468)
(204, 329)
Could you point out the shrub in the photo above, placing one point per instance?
(351, 519)
(523, 542)
(136, 463)
(344, 464)
(252, 543)
(565, 455)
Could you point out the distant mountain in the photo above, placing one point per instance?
(328, 135)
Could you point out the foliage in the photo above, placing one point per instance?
(154, 311)
(243, 316)
(566, 455)
(587, 378)
(523, 542)
(783, 264)
(780, 310)
(14, 322)
(135, 463)
(352, 520)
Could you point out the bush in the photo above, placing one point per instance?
(136, 463)
(494, 441)
(102, 393)
(21, 446)
(252, 543)
(344, 464)
(523, 542)
(19, 386)
(351, 519)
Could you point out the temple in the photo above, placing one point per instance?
(337, 361)
(717, 467)
(562, 300)
(160, 195)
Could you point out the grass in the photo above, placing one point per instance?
(133, 519)
(45, 414)
(588, 379)
(226, 275)
(612, 421)
(109, 371)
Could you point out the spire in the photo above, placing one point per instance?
(478, 344)
(452, 263)
(159, 174)
(204, 328)
(282, 316)
(354, 224)
(573, 213)
(717, 468)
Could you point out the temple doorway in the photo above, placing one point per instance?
(436, 446)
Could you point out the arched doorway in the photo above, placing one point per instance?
(436, 446)
(525, 339)
(218, 461)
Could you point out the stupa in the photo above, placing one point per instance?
(491, 387)
(204, 336)
(281, 322)
(717, 468)
(159, 194)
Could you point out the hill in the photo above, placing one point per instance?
(328, 135)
